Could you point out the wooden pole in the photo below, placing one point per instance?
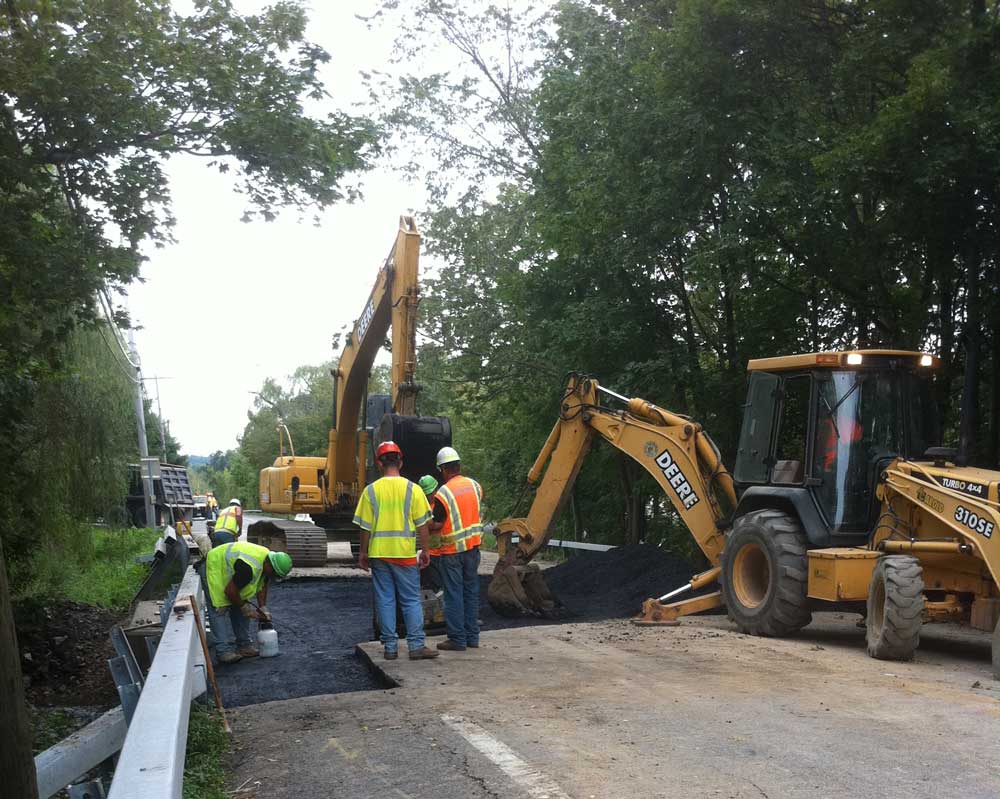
(17, 762)
(208, 665)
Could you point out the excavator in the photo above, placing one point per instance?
(838, 500)
(327, 487)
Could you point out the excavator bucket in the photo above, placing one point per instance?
(517, 590)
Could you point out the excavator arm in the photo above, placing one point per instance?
(678, 454)
(392, 304)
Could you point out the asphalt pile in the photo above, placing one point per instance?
(604, 585)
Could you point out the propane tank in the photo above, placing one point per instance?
(267, 639)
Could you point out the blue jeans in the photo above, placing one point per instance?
(230, 628)
(460, 573)
(389, 580)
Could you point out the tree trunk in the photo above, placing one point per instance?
(968, 439)
(17, 763)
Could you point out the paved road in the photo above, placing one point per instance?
(608, 710)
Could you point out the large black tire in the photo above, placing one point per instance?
(895, 608)
(765, 574)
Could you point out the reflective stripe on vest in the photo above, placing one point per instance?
(220, 568)
(462, 528)
(227, 520)
(392, 543)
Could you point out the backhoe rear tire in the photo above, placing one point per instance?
(895, 608)
(765, 574)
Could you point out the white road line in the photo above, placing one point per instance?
(536, 784)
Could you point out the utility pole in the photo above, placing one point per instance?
(159, 414)
(140, 423)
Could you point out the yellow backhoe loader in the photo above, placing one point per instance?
(327, 487)
(837, 499)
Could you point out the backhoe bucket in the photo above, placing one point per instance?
(517, 590)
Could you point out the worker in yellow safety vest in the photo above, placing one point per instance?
(229, 524)
(234, 575)
(456, 517)
(393, 514)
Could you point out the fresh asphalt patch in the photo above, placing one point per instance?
(319, 622)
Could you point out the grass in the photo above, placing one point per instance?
(93, 566)
(50, 726)
(207, 743)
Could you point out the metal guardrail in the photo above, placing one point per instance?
(153, 741)
(151, 764)
(565, 544)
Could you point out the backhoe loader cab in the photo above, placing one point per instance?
(819, 429)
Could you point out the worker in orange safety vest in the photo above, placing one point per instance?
(456, 517)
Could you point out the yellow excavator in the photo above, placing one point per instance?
(837, 499)
(327, 487)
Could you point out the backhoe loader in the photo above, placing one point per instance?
(327, 487)
(837, 499)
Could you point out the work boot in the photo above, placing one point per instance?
(230, 657)
(390, 655)
(423, 654)
(473, 645)
(450, 646)
(248, 652)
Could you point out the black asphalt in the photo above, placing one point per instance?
(318, 623)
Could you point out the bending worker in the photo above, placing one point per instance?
(457, 519)
(234, 574)
(393, 514)
(229, 525)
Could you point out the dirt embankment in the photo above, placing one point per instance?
(65, 647)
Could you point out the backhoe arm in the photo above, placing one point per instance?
(674, 450)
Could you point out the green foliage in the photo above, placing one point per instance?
(49, 726)
(207, 744)
(690, 185)
(89, 565)
(95, 97)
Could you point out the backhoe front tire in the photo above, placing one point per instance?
(765, 574)
(895, 608)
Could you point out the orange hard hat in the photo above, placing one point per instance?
(386, 447)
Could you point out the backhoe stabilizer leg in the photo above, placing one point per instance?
(655, 613)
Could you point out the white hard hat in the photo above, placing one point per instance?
(235, 501)
(447, 455)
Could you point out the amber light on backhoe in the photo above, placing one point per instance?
(828, 359)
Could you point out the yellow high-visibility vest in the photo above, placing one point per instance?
(220, 566)
(390, 510)
(228, 521)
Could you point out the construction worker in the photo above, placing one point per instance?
(213, 505)
(456, 517)
(229, 524)
(235, 574)
(431, 576)
(393, 514)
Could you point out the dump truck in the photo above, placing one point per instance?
(172, 499)
(838, 499)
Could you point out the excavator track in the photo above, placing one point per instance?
(305, 542)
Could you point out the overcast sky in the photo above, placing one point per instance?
(232, 303)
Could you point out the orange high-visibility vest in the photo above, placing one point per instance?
(463, 526)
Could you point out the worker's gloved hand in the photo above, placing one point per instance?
(264, 613)
(423, 559)
(248, 610)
